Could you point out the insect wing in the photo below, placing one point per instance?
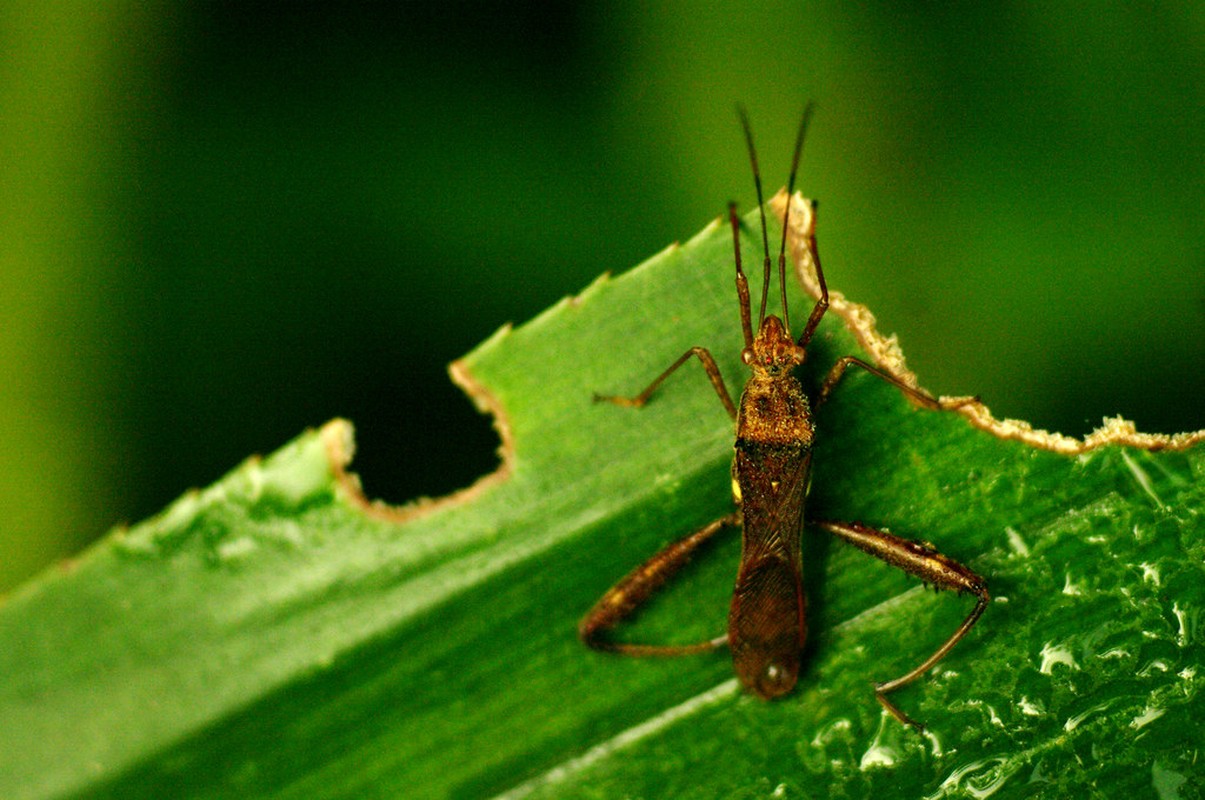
(766, 624)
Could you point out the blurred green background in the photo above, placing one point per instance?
(225, 222)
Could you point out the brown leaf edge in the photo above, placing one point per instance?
(339, 440)
(884, 351)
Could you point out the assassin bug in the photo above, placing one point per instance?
(771, 470)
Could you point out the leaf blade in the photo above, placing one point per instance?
(274, 636)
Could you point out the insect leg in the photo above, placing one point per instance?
(921, 560)
(709, 366)
(624, 598)
(914, 394)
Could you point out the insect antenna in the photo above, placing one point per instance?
(786, 215)
(765, 239)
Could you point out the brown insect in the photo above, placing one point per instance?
(767, 622)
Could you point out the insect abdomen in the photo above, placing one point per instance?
(766, 624)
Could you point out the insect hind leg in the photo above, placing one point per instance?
(926, 563)
(631, 592)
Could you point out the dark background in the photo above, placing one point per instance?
(224, 223)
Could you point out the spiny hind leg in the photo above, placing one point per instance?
(626, 597)
(926, 563)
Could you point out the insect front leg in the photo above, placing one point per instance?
(918, 396)
(709, 366)
(623, 599)
(921, 560)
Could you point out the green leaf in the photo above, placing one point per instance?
(276, 635)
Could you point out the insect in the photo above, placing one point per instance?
(767, 622)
